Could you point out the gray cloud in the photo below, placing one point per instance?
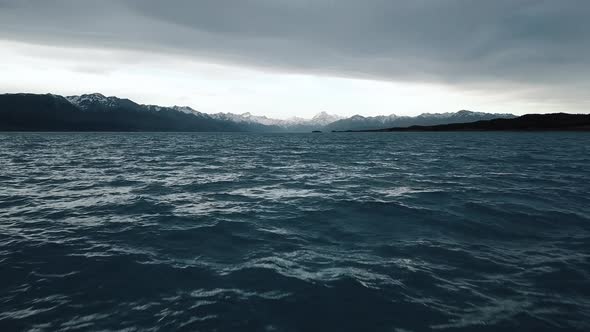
(530, 42)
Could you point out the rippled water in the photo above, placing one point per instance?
(300, 232)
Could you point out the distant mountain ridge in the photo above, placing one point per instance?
(528, 122)
(96, 112)
(319, 120)
(359, 122)
(33, 112)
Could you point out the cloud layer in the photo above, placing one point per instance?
(543, 45)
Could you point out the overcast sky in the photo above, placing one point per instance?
(294, 57)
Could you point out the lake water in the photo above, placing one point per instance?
(295, 232)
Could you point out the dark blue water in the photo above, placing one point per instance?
(301, 232)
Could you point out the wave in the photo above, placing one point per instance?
(295, 232)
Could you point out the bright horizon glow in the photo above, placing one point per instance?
(166, 80)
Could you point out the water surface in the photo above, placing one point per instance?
(295, 232)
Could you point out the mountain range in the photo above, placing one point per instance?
(527, 122)
(96, 112)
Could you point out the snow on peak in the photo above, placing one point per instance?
(324, 118)
(461, 113)
(87, 100)
(247, 118)
(320, 119)
(186, 110)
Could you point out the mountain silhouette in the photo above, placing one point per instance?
(96, 112)
(528, 122)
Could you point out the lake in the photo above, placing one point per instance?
(295, 232)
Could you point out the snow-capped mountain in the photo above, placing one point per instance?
(153, 117)
(96, 100)
(248, 118)
(324, 118)
(463, 114)
(188, 110)
(86, 100)
(359, 122)
(321, 119)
